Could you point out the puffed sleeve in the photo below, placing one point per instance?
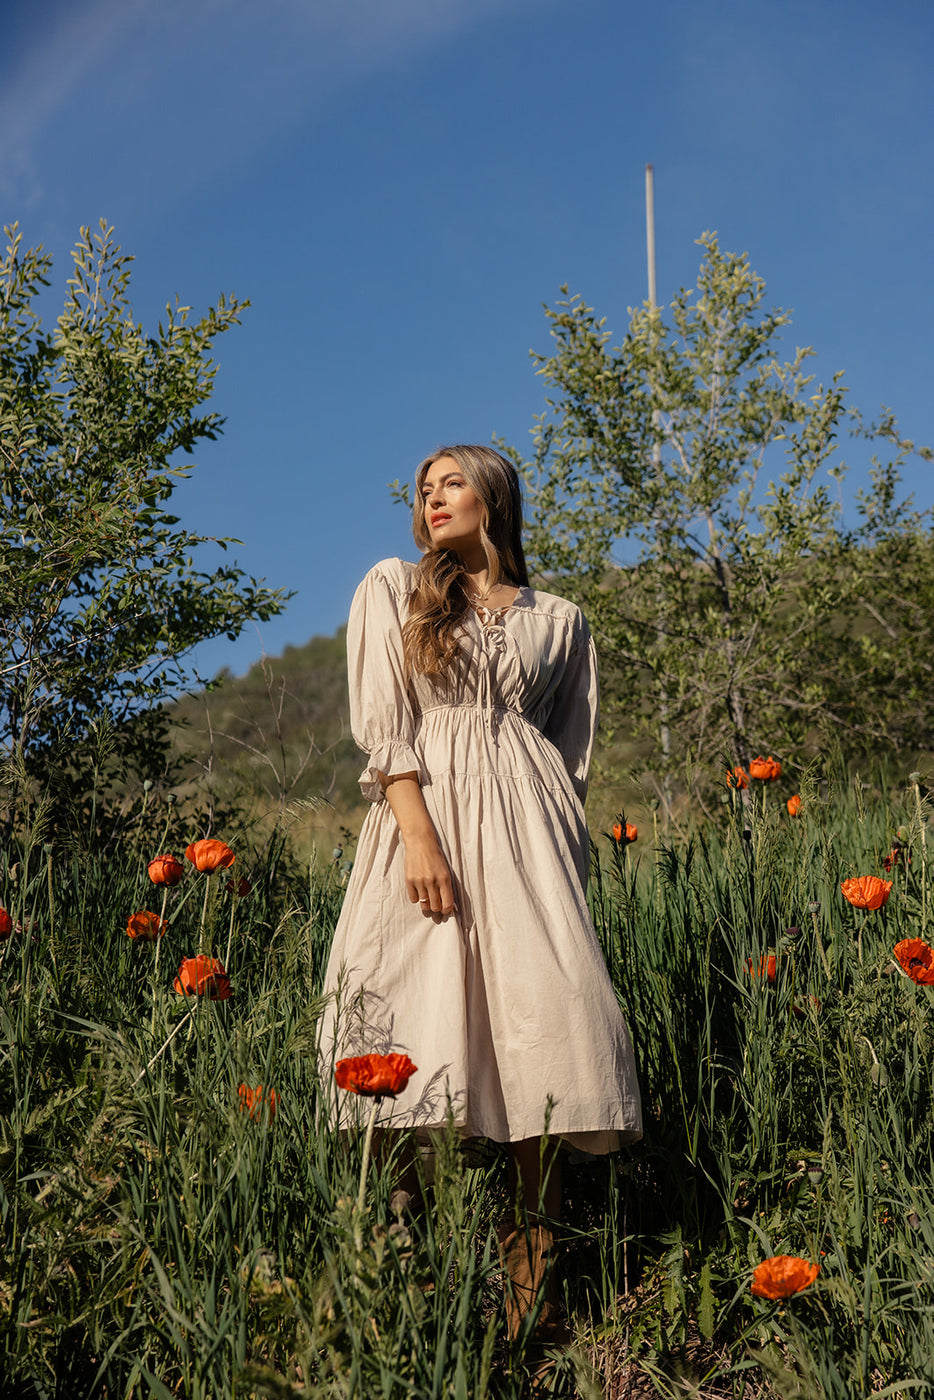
(381, 715)
(572, 723)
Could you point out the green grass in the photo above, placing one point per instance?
(158, 1241)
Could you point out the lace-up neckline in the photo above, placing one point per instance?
(493, 617)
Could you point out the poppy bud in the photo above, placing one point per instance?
(166, 870)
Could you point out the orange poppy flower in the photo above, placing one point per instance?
(917, 960)
(866, 891)
(894, 858)
(374, 1075)
(768, 967)
(203, 977)
(766, 770)
(242, 887)
(6, 924)
(146, 926)
(783, 1275)
(737, 778)
(794, 805)
(210, 855)
(166, 870)
(253, 1101)
(624, 834)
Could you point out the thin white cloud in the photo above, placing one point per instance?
(247, 70)
(58, 60)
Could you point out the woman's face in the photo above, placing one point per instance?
(453, 511)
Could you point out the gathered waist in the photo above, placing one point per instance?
(472, 708)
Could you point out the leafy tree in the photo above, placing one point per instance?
(685, 491)
(100, 592)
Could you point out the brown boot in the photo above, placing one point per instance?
(528, 1259)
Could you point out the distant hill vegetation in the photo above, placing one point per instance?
(278, 738)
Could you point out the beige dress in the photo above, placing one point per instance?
(507, 1006)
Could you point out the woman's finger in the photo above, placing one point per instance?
(446, 896)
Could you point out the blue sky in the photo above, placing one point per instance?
(398, 186)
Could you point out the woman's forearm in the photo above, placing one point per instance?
(404, 794)
(427, 874)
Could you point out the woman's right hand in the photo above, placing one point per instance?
(428, 881)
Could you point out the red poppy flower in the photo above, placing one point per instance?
(624, 834)
(253, 1101)
(766, 770)
(210, 855)
(203, 977)
(6, 924)
(737, 778)
(166, 870)
(783, 1275)
(794, 805)
(866, 891)
(894, 858)
(241, 886)
(146, 926)
(768, 967)
(801, 1011)
(917, 960)
(374, 1074)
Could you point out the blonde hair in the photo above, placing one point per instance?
(439, 598)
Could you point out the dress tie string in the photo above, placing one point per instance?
(492, 643)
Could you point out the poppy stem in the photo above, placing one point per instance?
(819, 942)
(204, 914)
(164, 1046)
(234, 901)
(51, 912)
(924, 861)
(364, 1168)
(155, 974)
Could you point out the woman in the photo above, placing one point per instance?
(465, 939)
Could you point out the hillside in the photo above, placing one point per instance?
(278, 737)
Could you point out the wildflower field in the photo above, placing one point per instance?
(181, 1216)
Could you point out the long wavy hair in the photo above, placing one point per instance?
(440, 599)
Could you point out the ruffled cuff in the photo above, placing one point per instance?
(393, 756)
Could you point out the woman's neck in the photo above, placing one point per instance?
(477, 580)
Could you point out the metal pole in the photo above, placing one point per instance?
(664, 730)
(650, 229)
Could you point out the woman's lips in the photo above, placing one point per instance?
(439, 519)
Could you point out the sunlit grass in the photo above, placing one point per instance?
(158, 1240)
